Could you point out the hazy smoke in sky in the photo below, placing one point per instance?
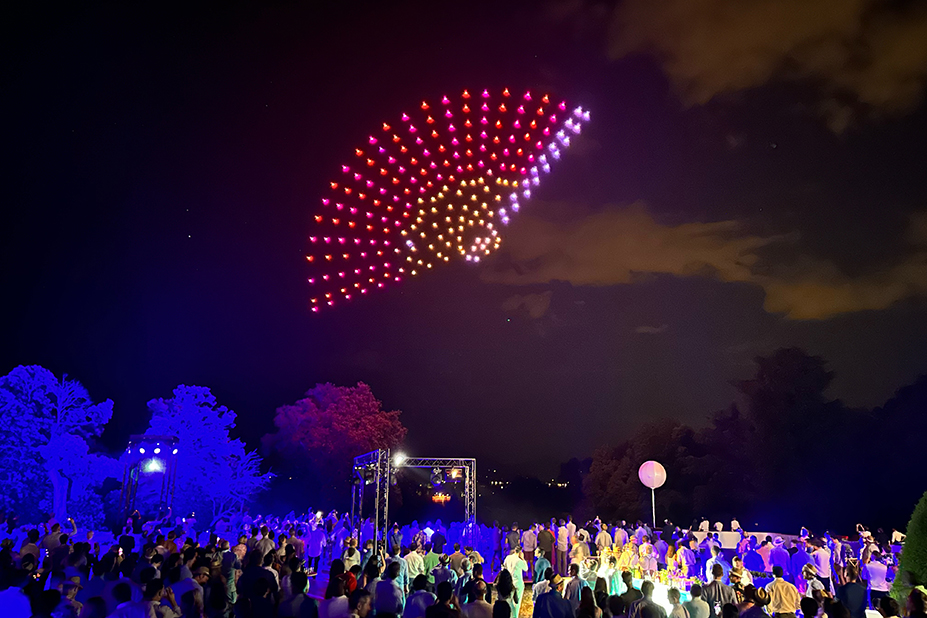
(867, 56)
(618, 245)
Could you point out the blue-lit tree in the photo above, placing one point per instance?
(47, 428)
(216, 475)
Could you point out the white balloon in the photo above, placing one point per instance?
(652, 474)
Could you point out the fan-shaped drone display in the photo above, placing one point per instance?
(437, 184)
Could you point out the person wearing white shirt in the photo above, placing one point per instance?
(335, 604)
(620, 536)
(603, 540)
(876, 575)
(314, 547)
(746, 577)
(784, 599)
(703, 527)
(696, 606)
(821, 559)
(563, 546)
(515, 564)
(538, 589)
(716, 558)
(571, 527)
(574, 586)
(529, 542)
(266, 544)
(735, 525)
(415, 562)
(418, 601)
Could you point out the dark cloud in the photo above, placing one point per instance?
(621, 245)
(865, 55)
(536, 305)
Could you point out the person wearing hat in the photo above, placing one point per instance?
(809, 574)
(755, 599)
(784, 599)
(779, 555)
(735, 577)
(69, 604)
(551, 604)
(442, 573)
(745, 576)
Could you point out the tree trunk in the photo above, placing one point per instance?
(59, 495)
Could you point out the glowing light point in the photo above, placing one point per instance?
(153, 465)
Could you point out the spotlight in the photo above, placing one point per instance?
(141, 450)
(399, 459)
(157, 450)
(436, 477)
(174, 452)
(153, 465)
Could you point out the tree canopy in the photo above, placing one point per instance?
(53, 423)
(318, 436)
(783, 461)
(216, 475)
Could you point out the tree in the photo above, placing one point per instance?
(614, 488)
(723, 473)
(899, 427)
(913, 567)
(215, 474)
(319, 435)
(802, 440)
(53, 423)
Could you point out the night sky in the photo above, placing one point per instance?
(753, 177)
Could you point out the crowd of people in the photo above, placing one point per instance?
(318, 566)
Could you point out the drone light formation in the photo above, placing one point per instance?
(435, 185)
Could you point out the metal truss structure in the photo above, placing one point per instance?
(149, 461)
(372, 468)
(377, 468)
